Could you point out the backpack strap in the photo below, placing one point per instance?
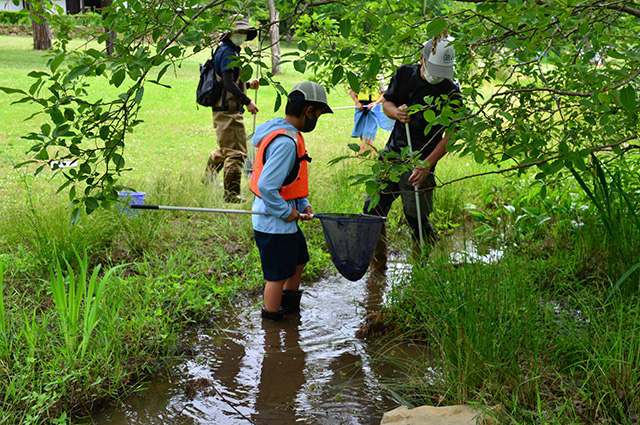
(223, 96)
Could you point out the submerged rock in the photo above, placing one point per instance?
(447, 415)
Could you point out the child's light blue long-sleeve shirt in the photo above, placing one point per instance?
(280, 157)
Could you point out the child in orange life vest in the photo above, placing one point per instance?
(280, 184)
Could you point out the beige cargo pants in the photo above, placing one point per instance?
(232, 148)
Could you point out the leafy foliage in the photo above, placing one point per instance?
(545, 85)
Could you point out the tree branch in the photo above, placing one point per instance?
(542, 161)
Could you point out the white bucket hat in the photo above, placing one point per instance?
(312, 92)
(441, 60)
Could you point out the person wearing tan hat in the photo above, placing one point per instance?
(281, 186)
(431, 79)
(227, 113)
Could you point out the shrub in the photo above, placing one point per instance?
(89, 19)
(14, 18)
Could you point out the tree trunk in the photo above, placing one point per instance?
(274, 30)
(111, 41)
(40, 27)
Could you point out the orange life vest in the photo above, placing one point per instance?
(296, 184)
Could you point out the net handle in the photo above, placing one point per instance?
(415, 189)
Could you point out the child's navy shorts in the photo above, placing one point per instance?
(281, 254)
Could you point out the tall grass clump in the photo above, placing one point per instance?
(78, 301)
(614, 192)
(481, 323)
(539, 332)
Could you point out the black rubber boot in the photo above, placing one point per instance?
(290, 303)
(232, 187)
(273, 316)
(379, 261)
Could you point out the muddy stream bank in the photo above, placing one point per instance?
(307, 369)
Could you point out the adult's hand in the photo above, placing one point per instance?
(252, 107)
(418, 176)
(402, 115)
(254, 84)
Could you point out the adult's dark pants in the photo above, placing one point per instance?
(405, 190)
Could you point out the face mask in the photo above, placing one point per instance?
(238, 39)
(310, 124)
(430, 78)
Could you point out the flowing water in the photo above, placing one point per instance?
(307, 369)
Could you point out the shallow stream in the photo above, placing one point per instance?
(307, 369)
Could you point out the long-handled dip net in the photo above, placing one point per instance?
(351, 238)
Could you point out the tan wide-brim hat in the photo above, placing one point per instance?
(242, 25)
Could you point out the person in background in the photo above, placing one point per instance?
(280, 184)
(432, 78)
(368, 116)
(227, 113)
(365, 124)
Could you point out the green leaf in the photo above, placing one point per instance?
(374, 65)
(93, 53)
(302, 45)
(345, 28)
(10, 90)
(337, 75)
(174, 51)
(77, 72)
(555, 166)
(628, 98)
(56, 116)
(37, 74)
(429, 115)
(278, 102)
(354, 147)
(104, 132)
(22, 164)
(346, 52)
(479, 215)
(55, 63)
(118, 77)
(139, 95)
(42, 155)
(386, 32)
(354, 81)
(162, 72)
(69, 114)
(246, 72)
(513, 43)
(300, 65)
(435, 27)
(91, 205)
(75, 216)
(371, 187)
(118, 160)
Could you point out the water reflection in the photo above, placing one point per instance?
(281, 375)
(309, 369)
(469, 254)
